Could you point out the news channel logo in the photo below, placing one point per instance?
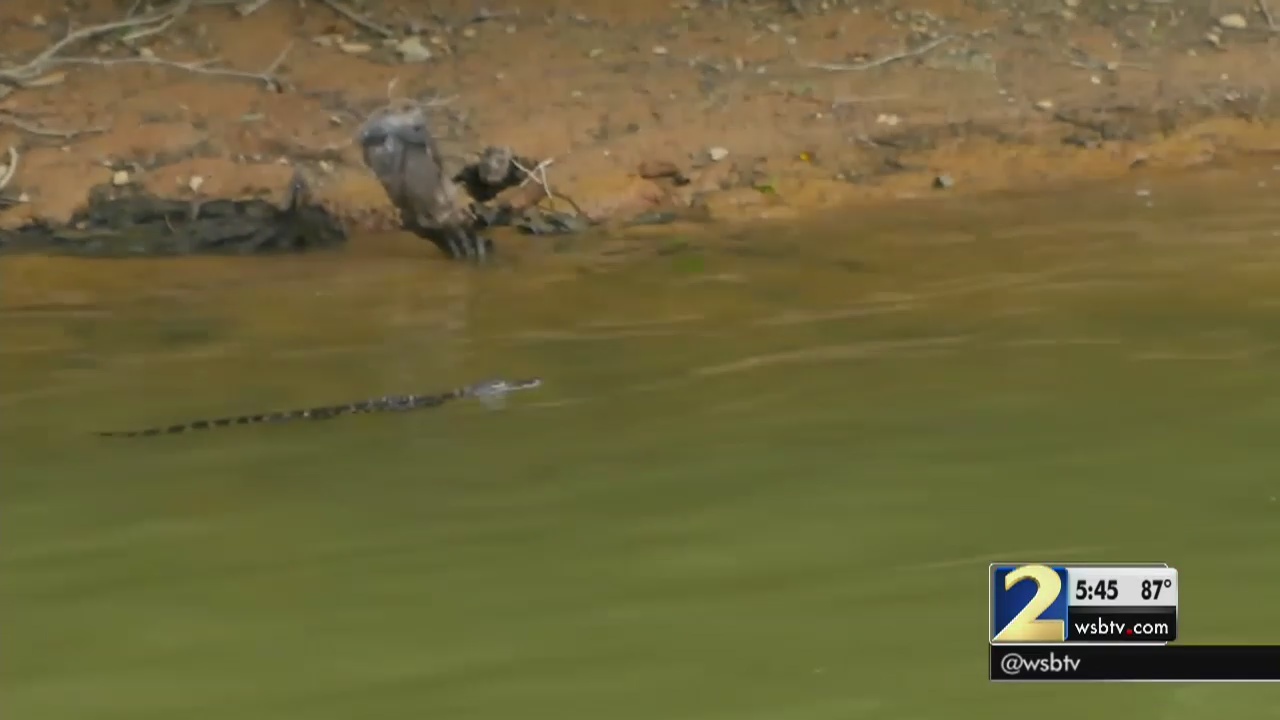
(1028, 604)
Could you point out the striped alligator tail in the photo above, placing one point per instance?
(492, 393)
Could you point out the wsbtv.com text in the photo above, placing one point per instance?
(1101, 629)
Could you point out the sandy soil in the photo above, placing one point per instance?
(974, 95)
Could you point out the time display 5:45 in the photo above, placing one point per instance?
(1100, 590)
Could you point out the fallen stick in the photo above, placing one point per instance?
(839, 67)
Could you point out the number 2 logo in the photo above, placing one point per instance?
(1027, 626)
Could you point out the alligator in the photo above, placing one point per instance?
(490, 392)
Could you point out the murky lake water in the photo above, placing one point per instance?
(763, 478)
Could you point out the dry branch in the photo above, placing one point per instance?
(27, 75)
(37, 66)
(34, 129)
(202, 67)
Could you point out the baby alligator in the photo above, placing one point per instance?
(492, 393)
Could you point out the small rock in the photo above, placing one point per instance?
(194, 183)
(717, 154)
(469, 32)
(1044, 105)
(1030, 29)
(1233, 21)
(1213, 39)
(23, 198)
(1071, 3)
(120, 178)
(595, 53)
(355, 48)
(942, 182)
(38, 21)
(412, 50)
(511, 29)
(659, 50)
(146, 53)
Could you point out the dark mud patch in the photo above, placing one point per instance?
(128, 222)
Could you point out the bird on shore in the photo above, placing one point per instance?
(399, 147)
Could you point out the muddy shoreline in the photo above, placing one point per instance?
(630, 112)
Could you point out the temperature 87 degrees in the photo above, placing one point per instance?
(1151, 588)
(1122, 586)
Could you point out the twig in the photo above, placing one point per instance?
(857, 99)
(538, 174)
(250, 8)
(36, 66)
(293, 146)
(178, 10)
(12, 169)
(394, 102)
(485, 14)
(838, 67)
(24, 126)
(1266, 13)
(358, 19)
(267, 76)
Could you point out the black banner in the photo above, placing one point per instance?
(1067, 662)
(1122, 624)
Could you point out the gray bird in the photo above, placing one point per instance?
(400, 149)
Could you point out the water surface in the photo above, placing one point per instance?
(763, 478)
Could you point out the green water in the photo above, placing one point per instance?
(763, 478)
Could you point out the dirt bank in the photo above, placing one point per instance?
(801, 103)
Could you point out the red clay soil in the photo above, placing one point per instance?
(990, 94)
